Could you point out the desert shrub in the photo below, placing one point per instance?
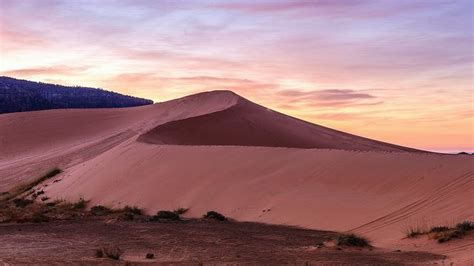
(352, 240)
(180, 211)
(129, 213)
(437, 229)
(465, 226)
(215, 216)
(414, 232)
(36, 194)
(39, 217)
(165, 215)
(109, 252)
(127, 216)
(100, 210)
(444, 234)
(22, 203)
(81, 204)
(133, 210)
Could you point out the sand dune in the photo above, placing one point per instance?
(247, 124)
(225, 153)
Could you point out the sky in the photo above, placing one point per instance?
(397, 71)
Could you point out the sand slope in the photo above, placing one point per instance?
(369, 192)
(211, 161)
(33, 142)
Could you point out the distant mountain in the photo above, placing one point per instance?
(22, 95)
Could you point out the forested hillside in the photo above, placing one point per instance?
(21, 95)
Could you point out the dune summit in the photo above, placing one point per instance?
(245, 123)
(219, 151)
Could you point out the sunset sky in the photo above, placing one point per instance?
(397, 71)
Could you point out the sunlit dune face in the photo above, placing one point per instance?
(397, 71)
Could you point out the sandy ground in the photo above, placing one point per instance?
(116, 157)
(189, 242)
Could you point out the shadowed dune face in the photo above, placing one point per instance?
(248, 124)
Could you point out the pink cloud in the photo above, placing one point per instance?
(329, 97)
(53, 70)
(279, 6)
(14, 40)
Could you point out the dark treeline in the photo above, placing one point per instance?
(21, 95)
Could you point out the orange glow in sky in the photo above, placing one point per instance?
(396, 71)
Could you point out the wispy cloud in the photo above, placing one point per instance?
(329, 97)
(48, 71)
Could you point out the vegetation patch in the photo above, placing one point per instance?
(36, 194)
(443, 233)
(414, 231)
(6, 196)
(109, 252)
(438, 229)
(39, 217)
(165, 215)
(81, 204)
(133, 210)
(465, 226)
(352, 240)
(100, 210)
(130, 213)
(215, 216)
(22, 203)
